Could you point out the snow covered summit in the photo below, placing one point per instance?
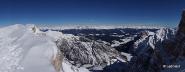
(23, 48)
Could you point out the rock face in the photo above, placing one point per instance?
(181, 28)
(176, 47)
(82, 51)
(180, 37)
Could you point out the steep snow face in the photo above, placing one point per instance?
(23, 48)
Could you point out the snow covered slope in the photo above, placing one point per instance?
(23, 48)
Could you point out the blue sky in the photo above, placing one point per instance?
(145, 12)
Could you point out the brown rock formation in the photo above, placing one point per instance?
(57, 61)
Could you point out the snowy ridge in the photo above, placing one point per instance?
(23, 48)
(16, 43)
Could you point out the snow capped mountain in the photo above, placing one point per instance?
(148, 51)
(19, 45)
(163, 51)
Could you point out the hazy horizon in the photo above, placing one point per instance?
(91, 12)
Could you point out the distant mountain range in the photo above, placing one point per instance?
(63, 27)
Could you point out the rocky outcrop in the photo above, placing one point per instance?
(176, 47)
(180, 38)
(181, 27)
(57, 61)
